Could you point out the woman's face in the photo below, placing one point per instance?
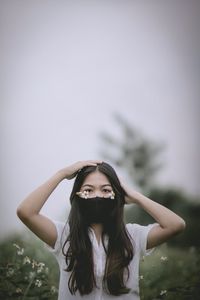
(96, 184)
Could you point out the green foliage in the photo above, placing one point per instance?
(26, 271)
(140, 157)
(134, 153)
(185, 206)
(171, 274)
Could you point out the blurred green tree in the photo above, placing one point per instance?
(136, 154)
(140, 158)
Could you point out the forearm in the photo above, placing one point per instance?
(165, 217)
(33, 203)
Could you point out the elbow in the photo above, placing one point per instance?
(19, 212)
(180, 226)
(183, 225)
(22, 215)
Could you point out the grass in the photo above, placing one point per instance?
(28, 271)
(171, 274)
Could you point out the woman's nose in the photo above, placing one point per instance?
(98, 194)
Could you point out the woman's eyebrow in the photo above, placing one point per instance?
(90, 185)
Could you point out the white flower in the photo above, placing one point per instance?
(40, 267)
(39, 270)
(18, 290)
(26, 260)
(34, 264)
(163, 258)
(84, 194)
(53, 289)
(20, 251)
(163, 292)
(16, 246)
(112, 196)
(46, 270)
(141, 277)
(31, 275)
(38, 283)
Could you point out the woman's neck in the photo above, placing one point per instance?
(98, 229)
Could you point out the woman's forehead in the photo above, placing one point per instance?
(96, 178)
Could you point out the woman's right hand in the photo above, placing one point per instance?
(72, 170)
(29, 209)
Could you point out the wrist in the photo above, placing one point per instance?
(61, 175)
(133, 197)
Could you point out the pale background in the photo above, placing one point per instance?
(67, 66)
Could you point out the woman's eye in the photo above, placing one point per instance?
(87, 191)
(106, 191)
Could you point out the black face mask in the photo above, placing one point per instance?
(96, 210)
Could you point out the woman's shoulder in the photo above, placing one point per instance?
(60, 226)
(134, 228)
(62, 229)
(139, 234)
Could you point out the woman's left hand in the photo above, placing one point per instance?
(129, 192)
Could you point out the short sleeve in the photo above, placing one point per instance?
(62, 233)
(139, 234)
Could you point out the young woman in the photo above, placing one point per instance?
(98, 254)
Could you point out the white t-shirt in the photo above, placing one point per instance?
(139, 235)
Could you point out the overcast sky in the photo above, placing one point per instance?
(68, 66)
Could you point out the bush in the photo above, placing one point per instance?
(29, 271)
(180, 203)
(26, 271)
(171, 274)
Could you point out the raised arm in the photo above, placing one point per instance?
(170, 223)
(29, 210)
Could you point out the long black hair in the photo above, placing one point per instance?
(119, 251)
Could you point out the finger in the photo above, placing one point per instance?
(96, 161)
(89, 163)
(72, 175)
